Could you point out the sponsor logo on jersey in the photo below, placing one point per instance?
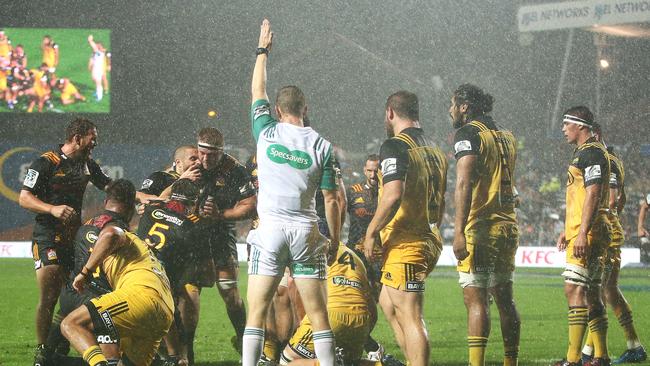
(592, 172)
(161, 215)
(342, 281)
(389, 166)
(91, 237)
(146, 184)
(30, 178)
(463, 145)
(295, 158)
(414, 286)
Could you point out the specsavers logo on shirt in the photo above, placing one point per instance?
(282, 155)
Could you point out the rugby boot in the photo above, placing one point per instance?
(633, 355)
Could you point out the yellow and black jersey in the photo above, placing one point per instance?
(492, 190)
(134, 264)
(347, 283)
(589, 166)
(57, 179)
(617, 171)
(362, 204)
(616, 181)
(5, 48)
(173, 236)
(157, 182)
(49, 54)
(422, 166)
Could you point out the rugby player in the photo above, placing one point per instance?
(97, 285)
(611, 291)
(69, 92)
(586, 236)
(350, 306)
(50, 53)
(171, 230)
(280, 318)
(293, 162)
(411, 202)
(19, 57)
(98, 65)
(227, 195)
(643, 210)
(5, 45)
(139, 310)
(363, 203)
(486, 234)
(186, 164)
(41, 90)
(53, 189)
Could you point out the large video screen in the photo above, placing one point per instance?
(55, 70)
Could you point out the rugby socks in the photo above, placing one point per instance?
(271, 349)
(477, 350)
(578, 318)
(100, 92)
(624, 316)
(598, 325)
(371, 345)
(511, 355)
(54, 337)
(253, 342)
(588, 349)
(94, 356)
(324, 347)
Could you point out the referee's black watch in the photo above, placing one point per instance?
(261, 51)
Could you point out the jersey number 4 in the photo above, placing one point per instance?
(346, 258)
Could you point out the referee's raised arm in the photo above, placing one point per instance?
(258, 87)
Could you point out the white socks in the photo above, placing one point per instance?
(324, 347)
(253, 344)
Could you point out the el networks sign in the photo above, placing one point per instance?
(582, 14)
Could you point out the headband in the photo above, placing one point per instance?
(205, 145)
(577, 120)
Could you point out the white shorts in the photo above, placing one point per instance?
(274, 246)
(97, 73)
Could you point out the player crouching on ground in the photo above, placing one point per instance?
(350, 306)
(140, 308)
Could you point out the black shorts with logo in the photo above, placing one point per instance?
(46, 253)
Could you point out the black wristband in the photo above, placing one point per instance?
(261, 51)
(87, 274)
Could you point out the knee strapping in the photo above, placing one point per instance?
(227, 284)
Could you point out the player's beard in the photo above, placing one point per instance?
(389, 129)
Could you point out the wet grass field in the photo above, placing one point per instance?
(538, 292)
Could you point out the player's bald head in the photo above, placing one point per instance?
(182, 151)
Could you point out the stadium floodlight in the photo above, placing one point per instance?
(604, 63)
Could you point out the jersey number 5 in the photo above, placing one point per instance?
(157, 230)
